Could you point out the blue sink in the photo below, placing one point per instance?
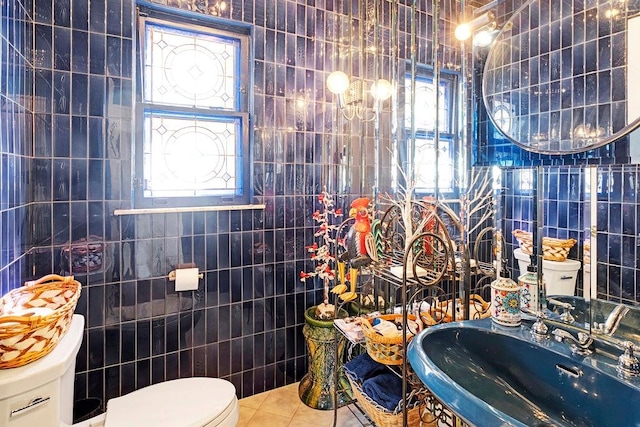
(491, 375)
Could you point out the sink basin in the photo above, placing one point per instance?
(490, 375)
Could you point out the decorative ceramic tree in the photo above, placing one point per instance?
(322, 251)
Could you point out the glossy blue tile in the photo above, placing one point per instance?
(97, 50)
(78, 185)
(43, 49)
(61, 143)
(62, 13)
(114, 17)
(80, 51)
(80, 14)
(79, 95)
(61, 93)
(43, 11)
(97, 87)
(97, 19)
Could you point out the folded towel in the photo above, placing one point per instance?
(384, 389)
(363, 367)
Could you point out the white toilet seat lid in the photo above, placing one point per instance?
(187, 402)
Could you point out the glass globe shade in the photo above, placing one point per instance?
(463, 32)
(483, 38)
(381, 90)
(338, 82)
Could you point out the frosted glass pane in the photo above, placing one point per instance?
(425, 107)
(189, 156)
(425, 161)
(190, 69)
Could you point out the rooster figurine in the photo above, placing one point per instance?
(361, 248)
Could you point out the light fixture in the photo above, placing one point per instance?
(466, 29)
(381, 90)
(484, 37)
(338, 82)
(351, 94)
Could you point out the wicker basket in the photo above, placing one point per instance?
(386, 350)
(478, 308)
(552, 249)
(84, 255)
(34, 317)
(382, 417)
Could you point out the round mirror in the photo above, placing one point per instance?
(562, 77)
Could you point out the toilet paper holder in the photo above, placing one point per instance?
(172, 274)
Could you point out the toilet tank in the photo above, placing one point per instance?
(559, 276)
(41, 392)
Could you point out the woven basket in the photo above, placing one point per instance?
(478, 308)
(84, 255)
(385, 350)
(553, 249)
(34, 317)
(382, 417)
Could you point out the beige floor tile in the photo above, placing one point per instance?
(283, 407)
(291, 389)
(351, 422)
(254, 401)
(346, 418)
(265, 419)
(280, 403)
(312, 417)
(245, 415)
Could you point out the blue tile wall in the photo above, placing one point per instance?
(618, 233)
(16, 137)
(66, 166)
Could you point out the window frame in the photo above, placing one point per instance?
(197, 23)
(450, 81)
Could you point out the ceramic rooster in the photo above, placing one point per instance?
(360, 248)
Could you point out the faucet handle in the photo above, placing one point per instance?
(539, 329)
(628, 364)
(566, 315)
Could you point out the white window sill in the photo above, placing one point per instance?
(120, 212)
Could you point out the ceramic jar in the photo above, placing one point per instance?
(529, 293)
(505, 302)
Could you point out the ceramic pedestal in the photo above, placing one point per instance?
(317, 387)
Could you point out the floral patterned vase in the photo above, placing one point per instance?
(505, 302)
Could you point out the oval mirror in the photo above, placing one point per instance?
(562, 76)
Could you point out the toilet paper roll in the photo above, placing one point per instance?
(187, 279)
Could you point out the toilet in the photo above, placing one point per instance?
(559, 276)
(41, 394)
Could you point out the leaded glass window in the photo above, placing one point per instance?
(424, 130)
(425, 101)
(425, 158)
(190, 68)
(193, 112)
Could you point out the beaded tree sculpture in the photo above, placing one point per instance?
(323, 249)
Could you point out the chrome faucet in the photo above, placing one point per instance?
(628, 364)
(566, 315)
(614, 318)
(581, 345)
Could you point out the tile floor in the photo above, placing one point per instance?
(283, 408)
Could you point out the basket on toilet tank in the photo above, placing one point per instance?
(559, 276)
(553, 249)
(34, 317)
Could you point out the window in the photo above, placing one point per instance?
(425, 119)
(193, 112)
(503, 113)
